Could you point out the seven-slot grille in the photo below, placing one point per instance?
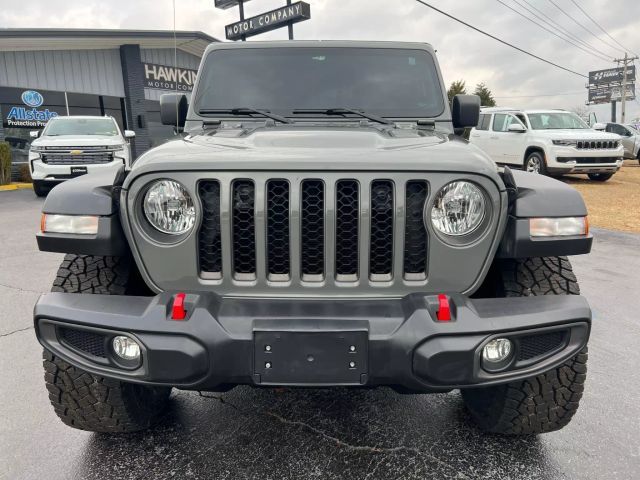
(597, 144)
(77, 156)
(314, 230)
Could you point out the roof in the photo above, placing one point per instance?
(522, 110)
(498, 109)
(322, 43)
(546, 110)
(24, 39)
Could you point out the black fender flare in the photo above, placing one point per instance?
(533, 196)
(95, 194)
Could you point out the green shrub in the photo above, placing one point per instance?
(5, 163)
(25, 173)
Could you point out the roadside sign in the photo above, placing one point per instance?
(612, 75)
(608, 93)
(616, 92)
(280, 17)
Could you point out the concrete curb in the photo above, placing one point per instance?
(15, 186)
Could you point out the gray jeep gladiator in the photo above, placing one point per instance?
(319, 223)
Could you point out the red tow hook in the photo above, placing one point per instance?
(444, 309)
(177, 310)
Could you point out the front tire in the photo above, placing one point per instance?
(81, 399)
(535, 163)
(600, 177)
(547, 402)
(39, 189)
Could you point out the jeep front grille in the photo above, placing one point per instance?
(597, 144)
(314, 230)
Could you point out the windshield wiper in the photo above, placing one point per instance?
(342, 111)
(244, 111)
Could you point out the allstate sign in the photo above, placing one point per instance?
(32, 116)
(32, 98)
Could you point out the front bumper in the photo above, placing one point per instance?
(58, 173)
(574, 166)
(223, 341)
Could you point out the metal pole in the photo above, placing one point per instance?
(241, 7)
(290, 26)
(613, 111)
(624, 89)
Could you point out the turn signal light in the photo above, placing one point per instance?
(558, 227)
(77, 224)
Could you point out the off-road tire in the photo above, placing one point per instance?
(39, 189)
(81, 399)
(97, 404)
(548, 401)
(539, 156)
(600, 177)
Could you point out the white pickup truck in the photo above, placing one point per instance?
(72, 146)
(552, 142)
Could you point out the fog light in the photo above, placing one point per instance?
(497, 350)
(126, 348)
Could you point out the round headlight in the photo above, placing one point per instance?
(169, 207)
(458, 209)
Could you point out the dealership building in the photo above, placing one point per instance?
(49, 72)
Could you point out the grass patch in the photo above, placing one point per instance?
(614, 204)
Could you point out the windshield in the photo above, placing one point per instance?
(379, 81)
(81, 126)
(556, 121)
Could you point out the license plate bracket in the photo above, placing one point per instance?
(311, 358)
(77, 171)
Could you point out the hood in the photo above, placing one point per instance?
(577, 134)
(78, 141)
(292, 147)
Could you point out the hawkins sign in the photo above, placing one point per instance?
(266, 22)
(612, 75)
(168, 78)
(31, 115)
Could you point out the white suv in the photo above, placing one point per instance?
(74, 146)
(552, 142)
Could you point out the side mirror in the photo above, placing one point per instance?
(173, 109)
(600, 126)
(516, 128)
(34, 133)
(129, 134)
(465, 111)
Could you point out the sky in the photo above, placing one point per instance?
(515, 79)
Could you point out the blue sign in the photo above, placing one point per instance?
(30, 117)
(31, 98)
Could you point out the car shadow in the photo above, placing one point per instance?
(314, 433)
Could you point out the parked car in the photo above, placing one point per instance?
(72, 146)
(320, 225)
(630, 138)
(552, 142)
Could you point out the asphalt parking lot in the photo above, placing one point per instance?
(303, 434)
